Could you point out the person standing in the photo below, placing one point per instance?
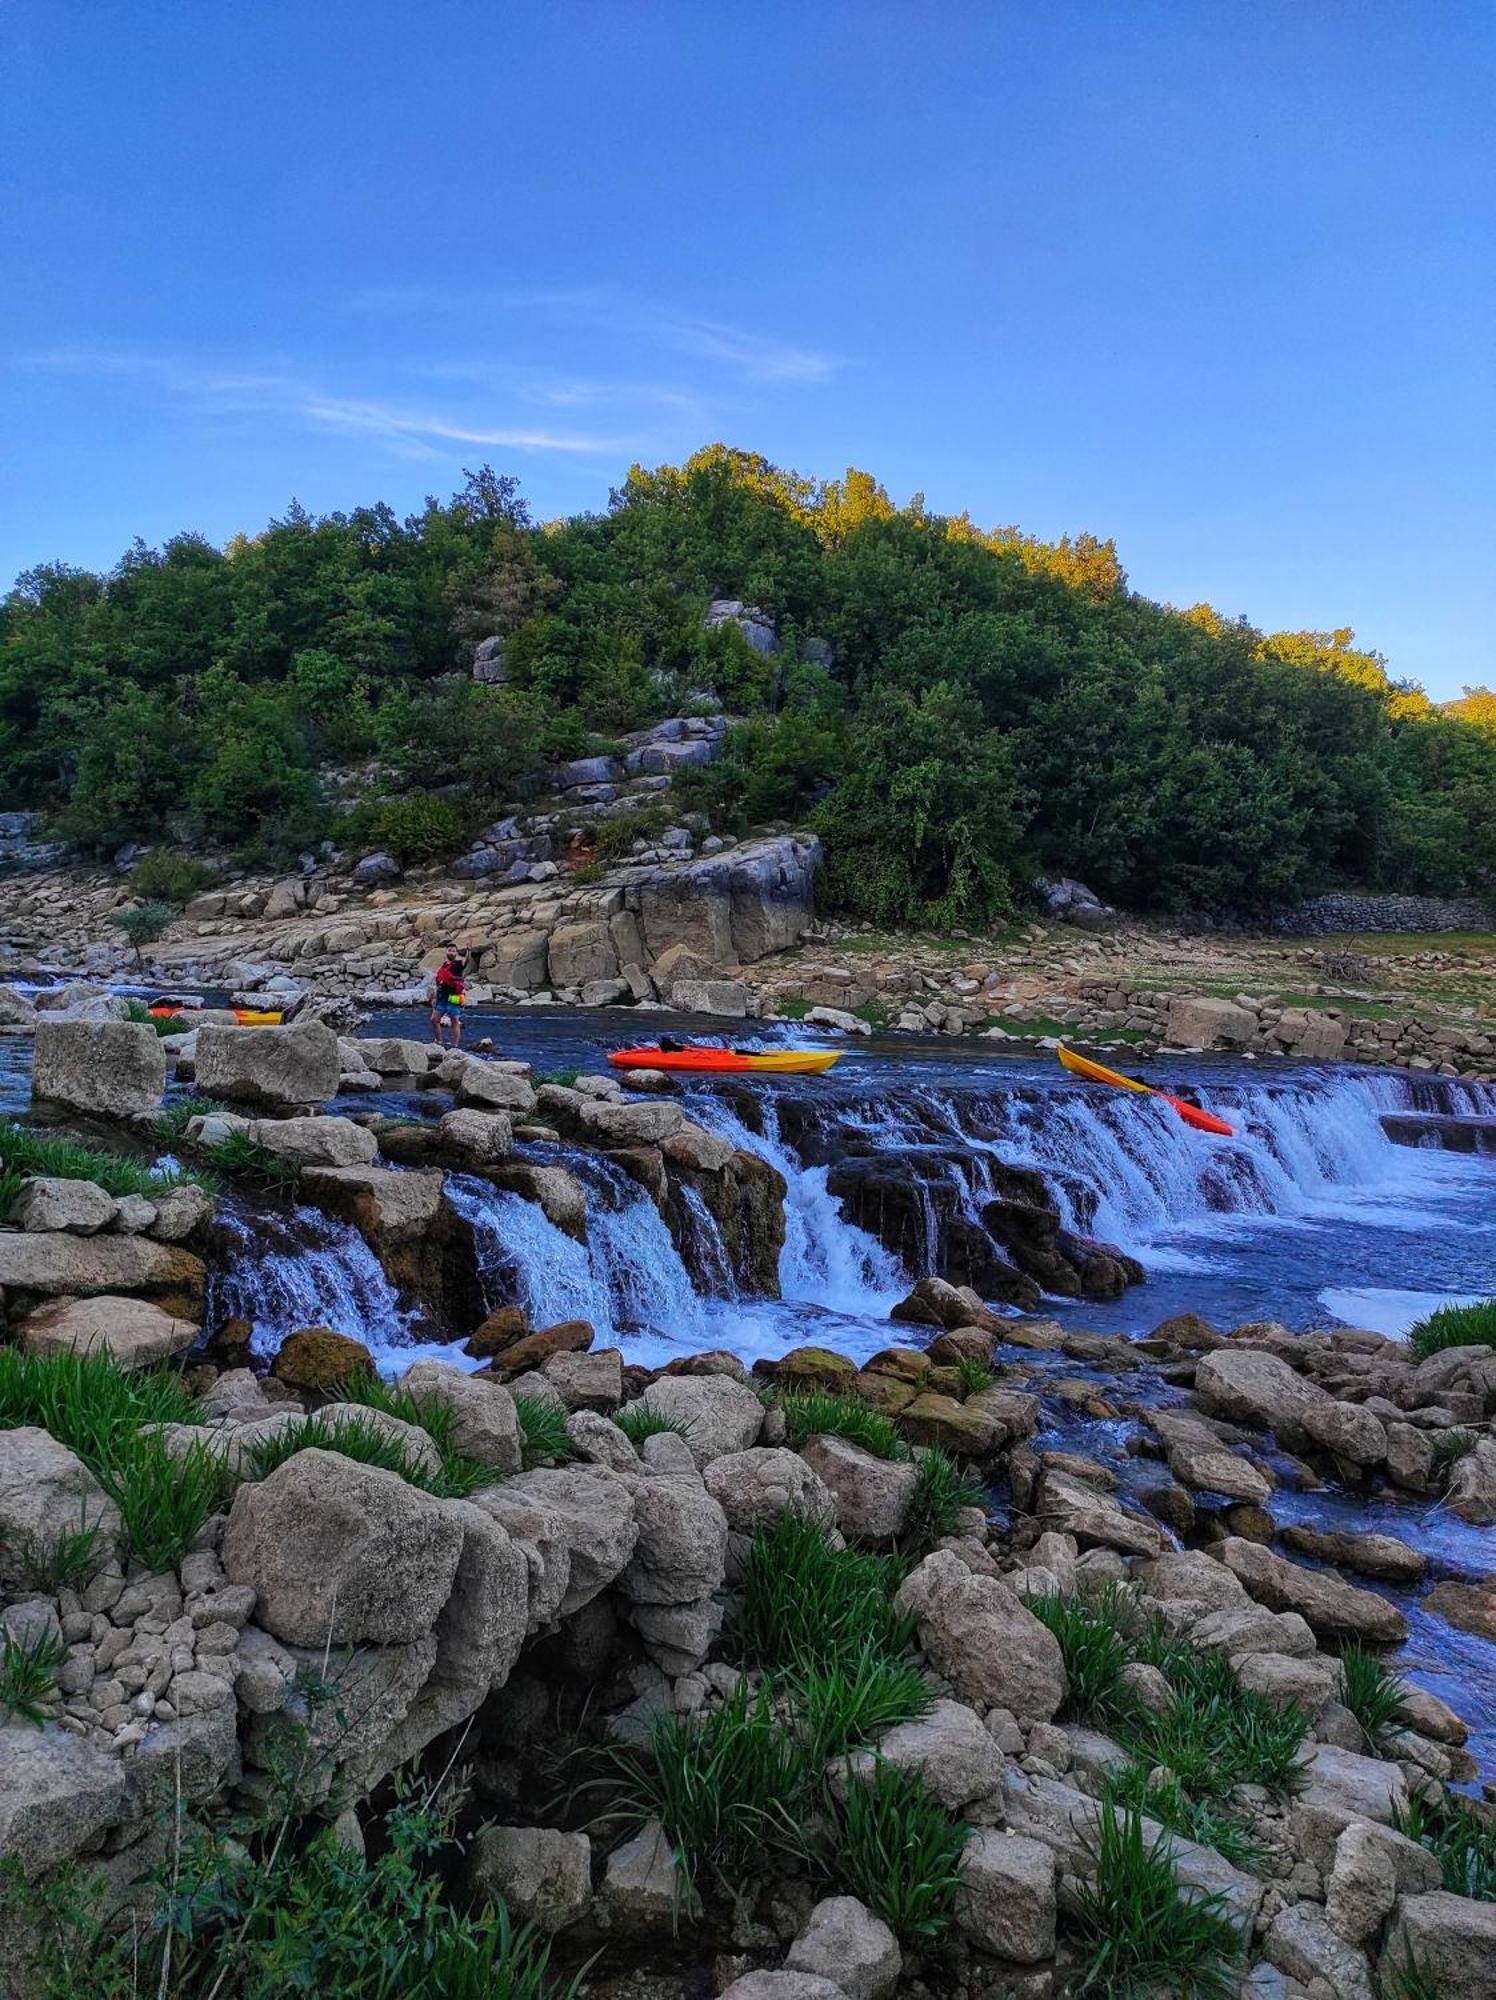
(446, 998)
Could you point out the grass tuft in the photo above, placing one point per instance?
(28, 1674)
(544, 1437)
(809, 1607)
(1406, 1980)
(896, 1847)
(164, 1501)
(243, 1158)
(1159, 1795)
(1375, 1694)
(1141, 1931)
(1454, 1326)
(1450, 1447)
(1090, 1631)
(164, 1024)
(32, 1154)
(87, 1401)
(941, 1490)
(972, 1376)
(1461, 1836)
(849, 1706)
(170, 1127)
(461, 1474)
(358, 1438)
(71, 1558)
(816, 1413)
(638, 1422)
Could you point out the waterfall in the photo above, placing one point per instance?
(288, 1269)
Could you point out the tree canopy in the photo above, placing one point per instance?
(952, 708)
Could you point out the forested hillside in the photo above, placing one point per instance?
(951, 708)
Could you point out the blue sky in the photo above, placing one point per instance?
(1215, 278)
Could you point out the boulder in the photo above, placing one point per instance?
(104, 1069)
(643, 1889)
(1384, 1556)
(1471, 1492)
(720, 1414)
(1006, 1903)
(629, 1124)
(1095, 1520)
(729, 998)
(871, 1495)
(681, 1551)
(980, 1637)
(958, 1761)
(59, 1798)
(1254, 1387)
(46, 1493)
(134, 1332)
(1363, 1884)
(341, 1553)
(578, 952)
(541, 1876)
(760, 1485)
(386, 1206)
(532, 1350)
(57, 1264)
(280, 1069)
(784, 1985)
(318, 1359)
(317, 1142)
(484, 1423)
(588, 1381)
(1301, 1942)
(180, 1213)
(579, 1522)
(485, 1086)
(1451, 1939)
(843, 1942)
(1469, 1607)
(480, 1137)
(52, 1203)
(1335, 1609)
(1198, 1022)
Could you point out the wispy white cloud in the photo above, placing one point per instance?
(411, 429)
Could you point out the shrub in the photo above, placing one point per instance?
(144, 923)
(87, 1401)
(807, 1606)
(169, 878)
(816, 1413)
(1141, 1931)
(28, 1674)
(31, 1153)
(1461, 1836)
(1374, 1693)
(941, 1489)
(543, 1433)
(163, 1024)
(616, 836)
(164, 1500)
(639, 1422)
(895, 1846)
(1454, 1326)
(418, 826)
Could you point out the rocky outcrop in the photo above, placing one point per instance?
(104, 1069)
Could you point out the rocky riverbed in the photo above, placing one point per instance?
(555, 1539)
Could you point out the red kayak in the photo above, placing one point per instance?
(730, 1062)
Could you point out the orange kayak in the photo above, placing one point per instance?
(247, 1017)
(730, 1062)
(1093, 1072)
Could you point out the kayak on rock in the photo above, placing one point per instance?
(729, 1062)
(1203, 1121)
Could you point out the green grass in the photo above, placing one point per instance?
(461, 1474)
(164, 1024)
(808, 1607)
(941, 1490)
(875, 1013)
(245, 1159)
(165, 1501)
(544, 1438)
(639, 1422)
(792, 1010)
(356, 1437)
(1454, 1326)
(170, 1127)
(972, 1377)
(12, 1185)
(817, 1413)
(87, 1401)
(1218, 1734)
(170, 878)
(1460, 1835)
(28, 1675)
(1160, 1796)
(563, 1078)
(69, 1559)
(1095, 1650)
(851, 1704)
(896, 1847)
(1375, 1694)
(34, 1155)
(1141, 1931)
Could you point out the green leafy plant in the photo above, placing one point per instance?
(143, 924)
(896, 1847)
(356, 1436)
(1375, 1694)
(942, 1489)
(415, 827)
(543, 1433)
(816, 1413)
(245, 1159)
(850, 1705)
(1141, 1931)
(68, 1559)
(1450, 1447)
(35, 1154)
(461, 1474)
(1093, 1640)
(973, 1376)
(615, 837)
(1454, 1326)
(1159, 1795)
(171, 1122)
(12, 1185)
(170, 878)
(806, 1605)
(638, 1421)
(563, 1078)
(28, 1674)
(1217, 1734)
(163, 1025)
(1460, 1834)
(87, 1401)
(165, 1500)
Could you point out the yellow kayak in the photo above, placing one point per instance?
(730, 1062)
(1094, 1073)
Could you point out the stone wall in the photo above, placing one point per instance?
(1322, 915)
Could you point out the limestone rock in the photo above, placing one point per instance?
(478, 1136)
(105, 1069)
(843, 1942)
(758, 1486)
(1363, 1884)
(543, 1876)
(959, 1762)
(681, 1551)
(1251, 1386)
(977, 1633)
(1334, 1608)
(45, 1493)
(720, 1414)
(318, 1359)
(59, 1797)
(642, 1888)
(485, 1424)
(134, 1332)
(1452, 1939)
(872, 1495)
(578, 1520)
(1302, 1943)
(51, 1203)
(485, 1086)
(281, 1069)
(340, 1553)
(1006, 1904)
(317, 1142)
(59, 1265)
(588, 1381)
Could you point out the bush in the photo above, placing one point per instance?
(31, 1154)
(615, 837)
(1454, 1326)
(170, 878)
(895, 1846)
(144, 923)
(417, 827)
(1141, 1931)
